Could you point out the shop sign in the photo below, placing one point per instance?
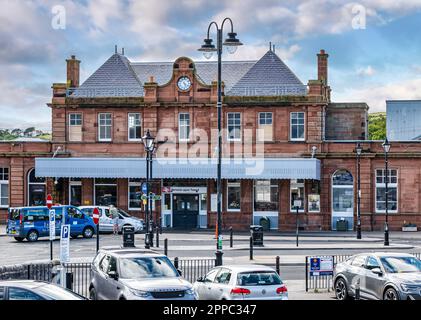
(184, 190)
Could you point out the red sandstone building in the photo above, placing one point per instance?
(283, 141)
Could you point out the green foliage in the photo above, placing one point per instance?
(377, 126)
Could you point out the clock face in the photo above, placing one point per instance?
(184, 83)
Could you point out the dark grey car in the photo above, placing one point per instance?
(380, 276)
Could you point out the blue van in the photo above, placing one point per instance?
(33, 222)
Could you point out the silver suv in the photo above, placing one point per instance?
(136, 274)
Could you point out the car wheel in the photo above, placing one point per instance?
(20, 239)
(390, 294)
(92, 294)
(88, 232)
(341, 290)
(32, 236)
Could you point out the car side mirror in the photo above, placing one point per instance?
(377, 271)
(179, 272)
(200, 279)
(113, 275)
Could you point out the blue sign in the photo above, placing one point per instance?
(144, 187)
(65, 243)
(315, 264)
(65, 232)
(321, 266)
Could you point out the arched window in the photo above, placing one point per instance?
(36, 189)
(342, 192)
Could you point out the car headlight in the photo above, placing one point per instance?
(410, 287)
(140, 293)
(190, 291)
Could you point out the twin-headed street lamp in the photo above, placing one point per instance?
(231, 43)
(386, 148)
(148, 142)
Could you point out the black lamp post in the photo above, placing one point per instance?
(231, 43)
(148, 142)
(359, 150)
(386, 148)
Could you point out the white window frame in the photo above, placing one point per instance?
(133, 184)
(346, 186)
(135, 126)
(105, 184)
(298, 184)
(5, 182)
(291, 126)
(236, 184)
(234, 125)
(73, 114)
(259, 125)
(181, 128)
(106, 125)
(389, 185)
(271, 185)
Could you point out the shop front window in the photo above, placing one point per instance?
(105, 192)
(343, 192)
(135, 194)
(75, 192)
(4, 187)
(392, 186)
(233, 195)
(36, 190)
(297, 193)
(266, 196)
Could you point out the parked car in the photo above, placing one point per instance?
(254, 282)
(33, 222)
(106, 218)
(387, 276)
(35, 290)
(136, 274)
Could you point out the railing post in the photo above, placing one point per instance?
(306, 274)
(176, 262)
(278, 269)
(166, 246)
(251, 248)
(231, 238)
(29, 272)
(157, 237)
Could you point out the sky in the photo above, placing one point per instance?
(374, 45)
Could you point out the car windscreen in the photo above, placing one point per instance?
(258, 278)
(401, 264)
(147, 267)
(124, 213)
(57, 293)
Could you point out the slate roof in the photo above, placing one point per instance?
(118, 77)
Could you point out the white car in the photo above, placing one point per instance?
(106, 218)
(246, 282)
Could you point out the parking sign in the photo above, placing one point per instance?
(65, 243)
(52, 215)
(321, 266)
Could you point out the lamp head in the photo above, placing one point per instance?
(232, 43)
(207, 48)
(359, 149)
(148, 141)
(386, 146)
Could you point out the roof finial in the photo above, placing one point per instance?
(122, 51)
(115, 48)
(270, 45)
(273, 49)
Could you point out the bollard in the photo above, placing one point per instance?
(166, 246)
(278, 269)
(357, 290)
(231, 238)
(251, 248)
(157, 237)
(176, 262)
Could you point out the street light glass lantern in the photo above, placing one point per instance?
(208, 48)
(148, 141)
(232, 43)
(386, 146)
(359, 149)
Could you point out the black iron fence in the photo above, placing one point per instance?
(192, 269)
(33, 271)
(80, 277)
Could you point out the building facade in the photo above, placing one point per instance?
(282, 141)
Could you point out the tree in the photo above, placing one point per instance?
(377, 126)
(28, 131)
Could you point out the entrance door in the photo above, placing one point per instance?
(185, 211)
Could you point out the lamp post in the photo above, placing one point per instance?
(358, 150)
(386, 148)
(231, 43)
(148, 142)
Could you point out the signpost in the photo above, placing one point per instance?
(95, 216)
(52, 222)
(64, 251)
(297, 205)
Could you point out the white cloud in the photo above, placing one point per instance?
(366, 72)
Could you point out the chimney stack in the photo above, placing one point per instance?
(322, 66)
(73, 72)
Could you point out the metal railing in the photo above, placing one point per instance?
(38, 271)
(81, 277)
(192, 269)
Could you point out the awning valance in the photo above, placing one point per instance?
(179, 168)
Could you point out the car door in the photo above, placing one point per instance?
(107, 220)
(373, 282)
(103, 286)
(221, 284)
(75, 218)
(204, 288)
(357, 273)
(113, 287)
(59, 220)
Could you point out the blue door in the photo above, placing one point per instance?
(76, 219)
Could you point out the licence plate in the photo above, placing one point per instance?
(13, 232)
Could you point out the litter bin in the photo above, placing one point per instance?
(128, 236)
(342, 225)
(265, 223)
(257, 235)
